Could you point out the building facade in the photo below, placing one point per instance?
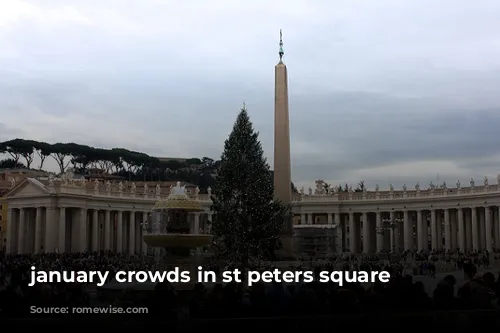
(72, 216)
(8, 179)
(61, 215)
(3, 223)
(463, 218)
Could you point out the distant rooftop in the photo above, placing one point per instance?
(22, 170)
(168, 159)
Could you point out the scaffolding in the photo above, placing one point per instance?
(314, 241)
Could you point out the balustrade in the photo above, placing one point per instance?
(324, 194)
(130, 191)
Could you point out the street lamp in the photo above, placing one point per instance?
(390, 225)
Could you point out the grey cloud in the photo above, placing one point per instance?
(373, 84)
(351, 138)
(8, 133)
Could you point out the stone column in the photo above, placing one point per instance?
(119, 232)
(83, 230)
(475, 229)
(22, 230)
(107, 230)
(38, 230)
(144, 245)
(461, 230)
(196, 226)
(62, 230)
(366, 234)
(497, 230)
(131, 245)
(380, 235)
(303, 218)
(28, 240)
(392, 232)
(407, 231)
(467, 228)
(95, 230)
(481, 228)
(453, 228)
(439, 230)
(433, 230)
(487, 224)
(447, 230)
(352, 234)
(345, 234)
(309, 218)
(10, 231)
(338, 240)
(329, 217)
(421, 232)
(51, 230)
(494, 226)
(398, 235)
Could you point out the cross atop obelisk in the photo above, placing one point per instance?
(281, 52)
(282, 165)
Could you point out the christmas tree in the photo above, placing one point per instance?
(248, 219)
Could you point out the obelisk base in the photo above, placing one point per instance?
(287, 251)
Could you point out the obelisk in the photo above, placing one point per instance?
(282, 164)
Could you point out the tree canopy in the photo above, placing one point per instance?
(248, 220)
(121, 162)
(87, 160)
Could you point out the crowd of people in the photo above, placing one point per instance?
(401, 293)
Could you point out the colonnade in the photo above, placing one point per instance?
(69, 229)
(72, 229)
(464, 229)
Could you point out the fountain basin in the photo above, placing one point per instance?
(180, 241)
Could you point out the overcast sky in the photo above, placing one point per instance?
(388, 91)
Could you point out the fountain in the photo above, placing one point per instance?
(170, 230)
(167, 230)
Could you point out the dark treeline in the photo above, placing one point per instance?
(130, 165)
(87, 160)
